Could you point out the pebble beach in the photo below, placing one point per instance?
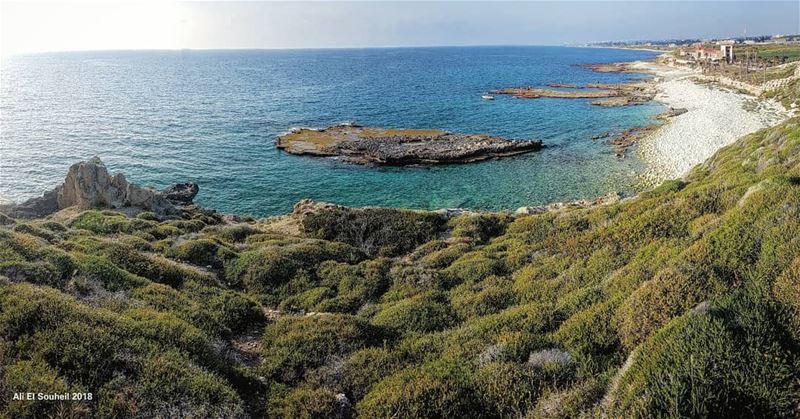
(716, 117)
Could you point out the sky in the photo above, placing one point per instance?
(36, 26)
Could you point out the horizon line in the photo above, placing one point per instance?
(586, 45)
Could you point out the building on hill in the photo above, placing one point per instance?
(727, 52)
(702, 53)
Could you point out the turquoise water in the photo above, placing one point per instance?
(211, 117)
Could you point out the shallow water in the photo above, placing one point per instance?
(211, 117)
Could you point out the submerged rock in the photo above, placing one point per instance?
(89, 185)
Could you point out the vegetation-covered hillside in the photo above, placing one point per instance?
(681, 302)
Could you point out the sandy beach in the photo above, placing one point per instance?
(716, 117)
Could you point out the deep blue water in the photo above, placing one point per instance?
(211, 117)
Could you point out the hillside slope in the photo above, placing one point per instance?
(684, 301)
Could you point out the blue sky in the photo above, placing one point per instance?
(34, 27)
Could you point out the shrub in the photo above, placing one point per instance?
(479, 299)
(726, 361)
(423, 313)
(591, 331)
(106, 222)
(437, 389)
(292, 345)
(152, 267)
(35, 377)
(308, 403)
(237, 233)
(376, 231)
(786, 291)
(444, 257)
(267, 268)
(481, 227)
(5, 220)
(170, 385)
(201, 252)
(513, 333)
(474, 267)
(669, 294)
(34, 272)
(365, 368)
(147, 215)
(507, 389)
(112, 277)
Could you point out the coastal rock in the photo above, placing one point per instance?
(89, 185)
(181, 193)
(34, 207)
(400, 147)
(608, 199)
(605, 94)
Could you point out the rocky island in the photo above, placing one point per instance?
(400, 147)
(605, 94)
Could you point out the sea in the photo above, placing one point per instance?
(212, 117)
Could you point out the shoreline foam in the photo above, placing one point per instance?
(716, 117)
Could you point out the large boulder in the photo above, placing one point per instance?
(89, 185)
(181, 193)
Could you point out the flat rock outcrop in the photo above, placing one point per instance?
(605, 94)
(400, 147)
(89, 185)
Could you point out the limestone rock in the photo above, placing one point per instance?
(89, 185)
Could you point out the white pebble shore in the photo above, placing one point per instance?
(716, 117)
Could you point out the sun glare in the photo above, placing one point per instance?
(39, 27)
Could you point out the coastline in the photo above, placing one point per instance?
(716, 117)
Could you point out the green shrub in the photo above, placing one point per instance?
(153, 267)
(423, 313)
(669, 294)
(35, 231)
(308, 403)
(112, 277)
(438, 389)
(34, 272)
(786, 291)
(509, 335)
(507, 389)
(5, 220)
(147, 215)
(36, 377)
(376, 231)
(292, 345)
(201, 252)
(170, 385)
(98, 222)
(474, 267)
(486, 297)
(237, 233)
(481, 227)
(267, 268)
(445, 256)
(591, 331)
(365, 368)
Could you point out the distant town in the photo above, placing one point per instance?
(754, 59)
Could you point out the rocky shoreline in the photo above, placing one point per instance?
(400, 147)
(89, 185)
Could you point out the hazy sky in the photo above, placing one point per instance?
(64, 26)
